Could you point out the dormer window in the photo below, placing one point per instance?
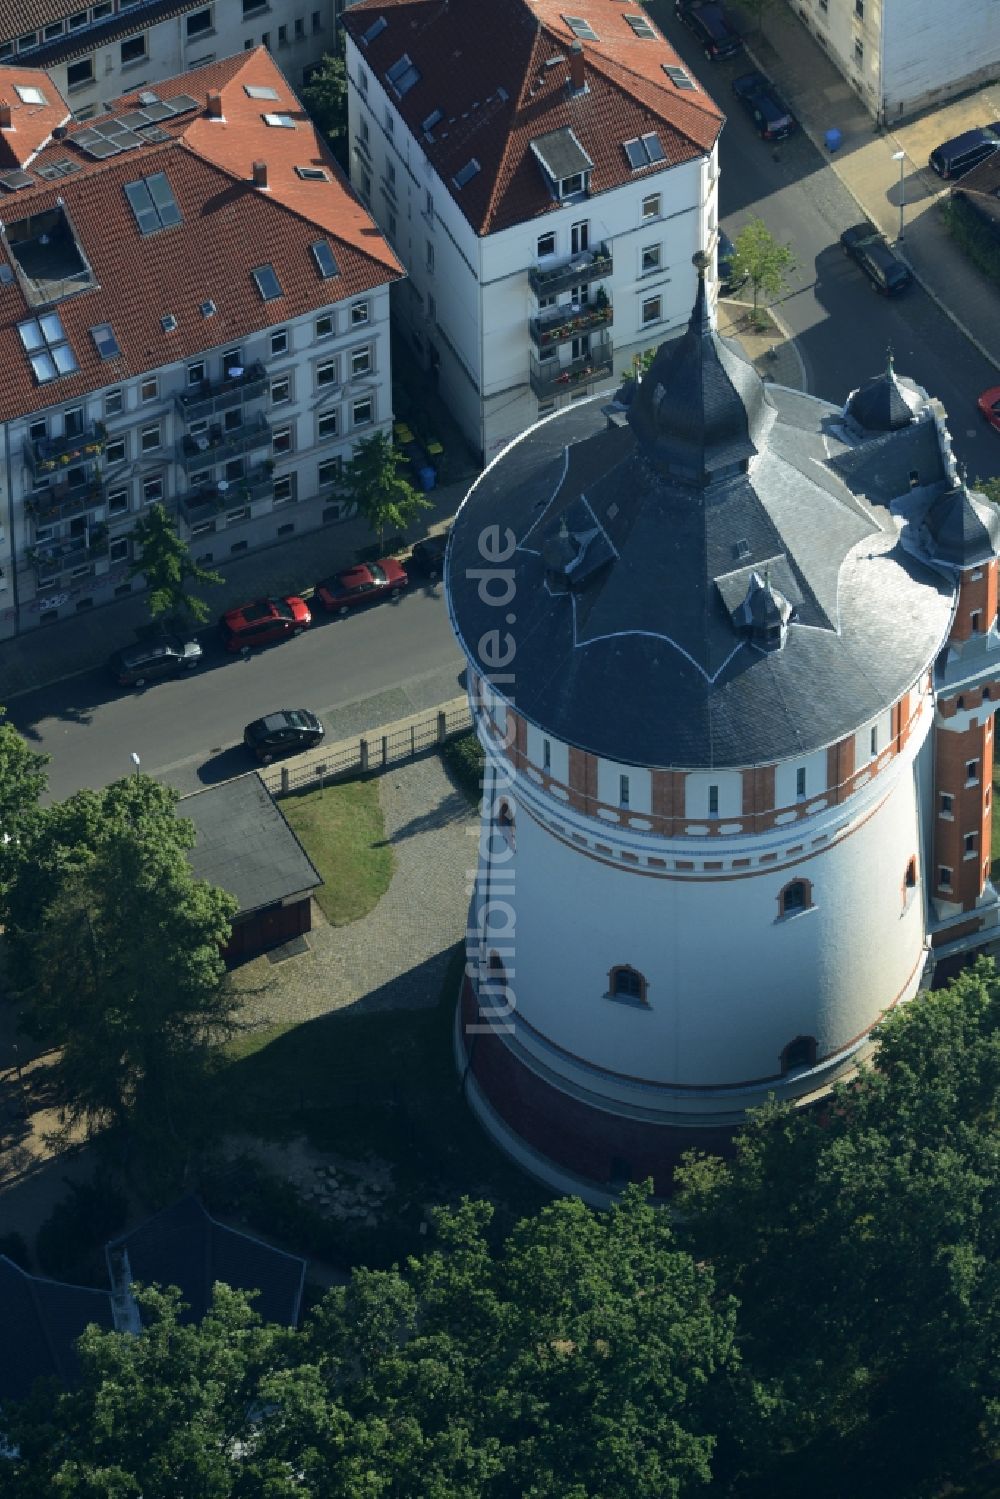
(570, 186)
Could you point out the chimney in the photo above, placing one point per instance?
(5, 120)
(260, 174)
(214, 105)
(59, 133)
(577, 82)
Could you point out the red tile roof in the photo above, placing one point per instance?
(489, 67)
(31, 125)
(228, 228)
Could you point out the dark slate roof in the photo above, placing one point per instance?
(40, 1322)
(883, 404)
(245, 846)
(182, 1246)
(962, 528)
(561, 154)
(881, 467)
(633, 651)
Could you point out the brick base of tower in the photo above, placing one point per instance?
(574, 1139)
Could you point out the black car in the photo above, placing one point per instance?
(728, 283)
(711, 25)
(772, 119)
(952, 159)
(283, 733)
(147, 661)
(427, 557)
(887, 273)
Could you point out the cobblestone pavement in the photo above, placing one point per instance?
(395, 957)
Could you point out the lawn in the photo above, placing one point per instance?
(343, 832)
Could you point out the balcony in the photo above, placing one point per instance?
(52, 558)
(563, 323)
(63, 501)
(589, 265)
(219, 443)
(46, 455)
(210, 396)
(549, 378)
(209, 499)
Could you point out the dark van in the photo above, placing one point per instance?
(954, 158)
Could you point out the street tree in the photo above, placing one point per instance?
(166, 563)
(762, 260)
(990, 488)
(22, 782)
(325, 95)
(373, 482)
(116, 948)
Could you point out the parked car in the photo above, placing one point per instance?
(283, 733)
(772, 119)
(728, 283)
(368, 583)
(712, 26)
(263, 621)
(952, 159)
(427, 557)
(148, 660)
(884, 269)
(989, 405)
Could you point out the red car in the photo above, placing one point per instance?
(263, 621)
(369, 582)
(989, 405)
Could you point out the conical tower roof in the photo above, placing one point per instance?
(962, 527)
(883, 403)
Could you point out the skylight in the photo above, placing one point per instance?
(153, 204)
(311, 174)
(259, 91)
(208, 308)
(434, 118)
(324, 258)
(375, 29)
(104, 341)
(29, 94)
(466, 174)
(47, 347)
(645, 151)
(168, 323)
(267, 282)
(679, 77)
(402, 76)
(581, 28)
(641, 27)
(279, 121)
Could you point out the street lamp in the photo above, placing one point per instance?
(136, 762)
(900, 156)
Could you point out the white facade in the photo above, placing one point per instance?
(902, 55)
(275, 439)
(482, 312)
(99, 51)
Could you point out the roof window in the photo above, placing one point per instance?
(644, 151)
(152, 201)
(15, 179)
(267, 282)
(375, 29)
(402, 76)
(29, 94)
(679, 77)
(208, 308)
(47, 347)
(259, 91)
(104, 341)
(466, 174)
(581, 28)
(311, 174)
(641, 27)
(324, 258)
(168, 323)
(434, 118)
(279, 121)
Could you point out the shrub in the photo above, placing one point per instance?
(83, 1222)
(463, 757)
(973, 236)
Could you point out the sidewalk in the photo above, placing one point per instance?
(822, 99)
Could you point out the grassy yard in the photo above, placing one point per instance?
(343, 832)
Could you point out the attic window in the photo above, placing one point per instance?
(402, 76)
(679, 77)
(29, 94)
(641, 27)
(152, 202)
(259, 91)
(581, 28)
(208, 308)
(375, 29)
(104, 341)
(434, 118)
(466, 174)
(267, 282)
(279, 121)
(644, 151)
(324, 258)
(741, 549)
(312, 174)
(47, 347)
(168, 323)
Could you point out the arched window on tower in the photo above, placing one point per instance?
(799, 1053)
(505, 823)
(909, 881)
(795, 897)
(627, 984)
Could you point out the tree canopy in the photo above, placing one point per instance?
(325, 95)
(372, 481)
(168, 567)
(764, 260)
(22, 782)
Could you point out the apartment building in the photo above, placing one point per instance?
(194, 311)
(545, 178)
(95, 52)
(901, 56)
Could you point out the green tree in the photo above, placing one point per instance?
(372, 481)
(990, 488)
(168, 567)
(863, 1243)
(116, 948)
(325, 95)
(22, 782)
(763, 260)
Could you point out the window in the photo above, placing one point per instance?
(650, 259)
(115, 452)
(79, 74)
(970, 845)
(149, 438)
(429, 206)
(281, 440)
(250, 6)
(651, 206)
(359, 314)
(623, 791)
(281, 390)
(946, 804)
(324, 326)
(799, 1053)
(317, 21)
(326, 373)
(505, 822)
(148, 389)
(800, 781)
(944, 877)
(910, 876)
(26, 42)
(112, 402)
(117, 501)
(278, 120)
(364, 134)
(366, 187)
(199, 22)
(651, 311)
(119, 549)
(713, 801)
(432, 309)
(73, 421)
(282, 36)
(859, 9)
(546, 245)
(152, 490)
(76, 21)
(579, 237)
(47, 347)
(260, 91)
(568, 186)
(134, 50)
(326, 426)
(196, 372)
(859, 51)
(625, 982)
(279, 342)
(873, 742)
(152, 202)
(644, 151)
(362, 412)
(325, 262)
(795, 897)
(362, 80)
(38, 429)
(361, 362)
(300, 28)
(977, 621)
(329, 471)
(971, 772)
(429, 257)
(267, 283)
(283, 489)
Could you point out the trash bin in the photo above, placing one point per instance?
(427, 477)
(833, 139)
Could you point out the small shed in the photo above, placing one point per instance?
(245, 846)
